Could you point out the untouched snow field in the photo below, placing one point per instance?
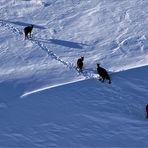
(45, 102)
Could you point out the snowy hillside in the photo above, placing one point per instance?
(45, 102)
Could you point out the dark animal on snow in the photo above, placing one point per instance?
(103, 74)
(27, 31)
(147, 111)
(80, 63)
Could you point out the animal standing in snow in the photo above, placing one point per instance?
(103, 74)
(80, 64)
(147, 111)
(27, 31)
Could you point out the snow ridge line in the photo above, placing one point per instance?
(86, 73)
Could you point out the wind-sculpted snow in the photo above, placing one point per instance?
(45, 101)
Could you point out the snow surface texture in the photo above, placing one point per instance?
(45, 102)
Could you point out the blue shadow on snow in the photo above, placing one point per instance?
(22, 24)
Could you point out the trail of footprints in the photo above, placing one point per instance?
(87, 73)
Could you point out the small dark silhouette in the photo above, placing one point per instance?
(80, 64)
(147, 111)
(28, 30)
(103, 74)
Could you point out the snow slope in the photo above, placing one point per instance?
(45, 102)
(83, 114)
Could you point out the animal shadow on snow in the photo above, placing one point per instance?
(68, 44)
(22, 24)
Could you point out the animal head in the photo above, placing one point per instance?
(98, 65)
(31, 26)
(82, 58)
